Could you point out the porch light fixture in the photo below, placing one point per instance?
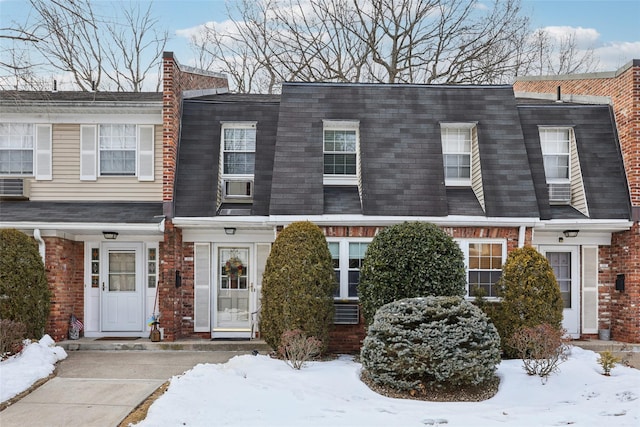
(110, 235)
(230, 231)
(570, 233)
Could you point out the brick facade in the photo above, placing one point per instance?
(65, 274)
(619, 310)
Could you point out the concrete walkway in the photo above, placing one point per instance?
(100, 388)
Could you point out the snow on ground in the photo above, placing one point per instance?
(37, 360)
(260, 391)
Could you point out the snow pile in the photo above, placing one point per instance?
(259, 391)
(37, 360)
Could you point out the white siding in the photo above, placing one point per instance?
(476, 170)
(578, 199)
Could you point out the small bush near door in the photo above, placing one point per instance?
(297, 285)
(23, 283)
(412, 259)
(530, 296)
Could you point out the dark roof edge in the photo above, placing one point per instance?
(583, 76)
(421, 85)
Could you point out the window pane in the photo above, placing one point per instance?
(239, 163)
(485, 263)
(340, 164)
(354, 277)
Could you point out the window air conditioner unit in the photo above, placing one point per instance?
(237, 189)
(14, 188)
(560, 194)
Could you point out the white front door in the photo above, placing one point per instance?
(122, 287)
(564, 261)
(234, 291)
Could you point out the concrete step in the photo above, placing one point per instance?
(600, 345)
(147, 345)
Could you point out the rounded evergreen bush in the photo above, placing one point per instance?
(412, 259)
(24, 291)
(430, 343)
(297, 285)
(530, 295)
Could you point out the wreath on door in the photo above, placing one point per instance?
(233, 267)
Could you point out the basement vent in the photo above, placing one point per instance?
(560, 194)
(14, 188)
(346, 314)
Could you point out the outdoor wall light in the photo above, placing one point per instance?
(570, 233)
(110, 235)
(230, 231)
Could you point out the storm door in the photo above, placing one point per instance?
(122, 287)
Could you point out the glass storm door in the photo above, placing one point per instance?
(233, 312)
(564, 262)
(121, 288)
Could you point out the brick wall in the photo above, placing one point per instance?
(619, 310)
(65, 274)
(348, 338)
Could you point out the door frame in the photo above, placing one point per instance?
(571, 320)
(138, 248)
(216, 330)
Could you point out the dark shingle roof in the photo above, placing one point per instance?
(598, 151)
(71, 96)
(199, 153)
(84, 212)
(400, 146)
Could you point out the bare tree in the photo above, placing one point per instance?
(70, 38)
(131, 41)
(555, 56)
(392, 41)
(98, 48)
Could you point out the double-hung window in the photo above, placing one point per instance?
(484, 259)
(347, 255)
(16, 148)
(555, 151)
(456, 150)
(341, 148)
(117, 150)
(238, 157)
(117, 144)
(25, 150)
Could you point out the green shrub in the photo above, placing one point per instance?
(430, 343)
(24, 291)
(297, 285)
(413, 259)
(530, 296)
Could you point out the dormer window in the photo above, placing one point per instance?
(555, 152)
(556, 143)
(341, 139)
(457, 141)
(238, 156)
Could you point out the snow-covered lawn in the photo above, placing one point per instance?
(37, 360)
(259, 391)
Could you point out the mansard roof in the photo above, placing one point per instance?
(402, 170)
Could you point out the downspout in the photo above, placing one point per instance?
(521, 235)
(41, 246)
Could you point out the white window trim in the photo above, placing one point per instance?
(464, 246)
(229, 177)
(354, 125)
(40, 151)
(344, 266)
(568, 154)
(471, 126)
